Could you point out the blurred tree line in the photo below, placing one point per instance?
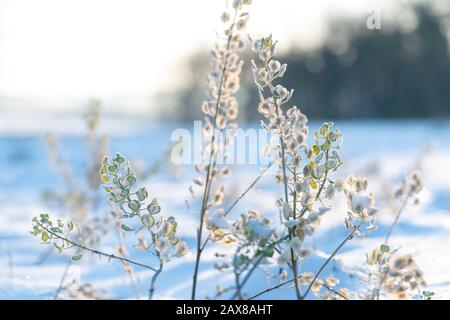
(357, 73)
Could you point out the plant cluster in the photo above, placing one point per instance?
(306, 173)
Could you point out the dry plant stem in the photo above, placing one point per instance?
(254, 266)
(237, 280)
(62, 280)
(154, 278)
(210, 165)
(349, 237)
(397, 217)
(290, 281)
(97, 252)
(241, 196)
(377, 289)
(247, 277)
(248, 189)
(286, 199)
(130, 275)
(238, 285)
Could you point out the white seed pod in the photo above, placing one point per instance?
(225, 17)
(274, 66)
(237, 4)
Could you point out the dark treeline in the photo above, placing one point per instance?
(357, 73)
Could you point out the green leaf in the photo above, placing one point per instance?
(112, 197)
(119, 158)
(113, 168)
(126, 227)
(131, 180)
(70, 225)
(58, 248)
(35, 231)
(56, 230)
(174, 240)
(134, 205)
(315, 149)
(76, 258)
(125, 193)
(44, 236)
(153, 207)
(148, 220)
(142, 194)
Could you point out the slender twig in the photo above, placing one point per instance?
(349, 237)
(247, 276)
(97, 252)
(210, 165)
(255, 265)
(237, 281)
(377, 289)
(235, 202)
(154, 277)
(397, 217)
(241, 196)
(130, 275)
(286, 195)
(290, 281)
(62, 280)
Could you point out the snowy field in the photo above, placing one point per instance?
(382, 151)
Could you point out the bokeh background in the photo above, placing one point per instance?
(145, 64)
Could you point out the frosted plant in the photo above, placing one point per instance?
(305, 173)
(408, 192)
(220, 110)
(79, 198)
(76, 291)
(119, 181)
(397, 274)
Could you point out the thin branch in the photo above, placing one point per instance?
(290, 281)
(97, 252)
(377, 289)
(349, 237)
(248, 189)
(62, 280)
(286, 196)
(397, 217)
(208, 175)
(255, 265)
(241, 196)
(154, 277)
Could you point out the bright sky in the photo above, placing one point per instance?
(57, 52)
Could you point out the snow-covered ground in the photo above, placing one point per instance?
(382, 151)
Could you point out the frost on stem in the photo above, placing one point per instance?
(78, 197)
(398, 276)
(305, 172)
(144, 214)
(138, 215)
(220, 112)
